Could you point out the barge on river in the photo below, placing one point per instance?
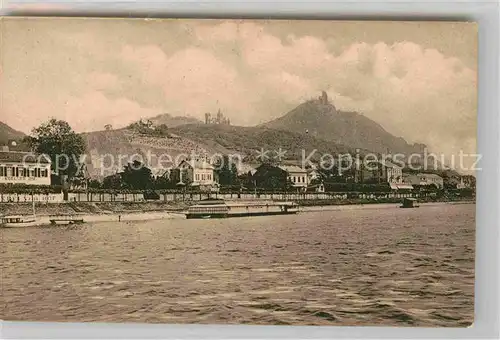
(218, 208)
(66, 219)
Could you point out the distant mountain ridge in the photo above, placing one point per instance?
(174, 121)
(312, 125)
(320, 118)
(7, 133)
(249, 141)
(199, 139)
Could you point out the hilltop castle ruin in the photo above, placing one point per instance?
(323, 99)
(218, 119)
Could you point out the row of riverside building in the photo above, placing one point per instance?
(17, 167)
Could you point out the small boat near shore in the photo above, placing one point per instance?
(19, 221)
(218, 208)
(409, 203)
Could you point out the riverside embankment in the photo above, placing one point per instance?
(154, 210)
(382, 200)
(84, 208)
(98, 212)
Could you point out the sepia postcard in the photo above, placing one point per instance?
(266, 172)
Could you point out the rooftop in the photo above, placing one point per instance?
(429, 175)
(385, 162)
(23, 157)
(291, 168)
(198, 164)
(244, 168)
(388, 163)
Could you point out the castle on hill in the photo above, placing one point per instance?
(323, 99)
(218, 119)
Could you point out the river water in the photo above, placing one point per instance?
(385, 266)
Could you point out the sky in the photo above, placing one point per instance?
(416, 79)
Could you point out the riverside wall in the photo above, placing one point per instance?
(307, 198)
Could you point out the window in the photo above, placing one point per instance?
(293, 180)
(2, 171)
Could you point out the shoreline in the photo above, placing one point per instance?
(115, 212)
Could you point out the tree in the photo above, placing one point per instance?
(163, 182)
(329, 173)
(112, 182)
(94, 184)
(136, 176)
(161, 130)
(271, 177)
(56, 139)
(246, 180)
(228, 172)
(79, 182)
(316, 181)
(108, 127)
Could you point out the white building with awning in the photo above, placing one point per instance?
(401, 186)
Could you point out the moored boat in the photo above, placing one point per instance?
(66, 219)
(19, 221)
(211, 208)
(409, 203)
(218, 208)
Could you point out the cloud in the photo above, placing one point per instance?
(102, 81)
(249, 72)
(412, 91)
(88, 112)
(117, 112)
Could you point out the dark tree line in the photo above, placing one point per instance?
(134, 176)
(227, 171)
(56, 139)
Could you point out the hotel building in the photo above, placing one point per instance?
(24, 168)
